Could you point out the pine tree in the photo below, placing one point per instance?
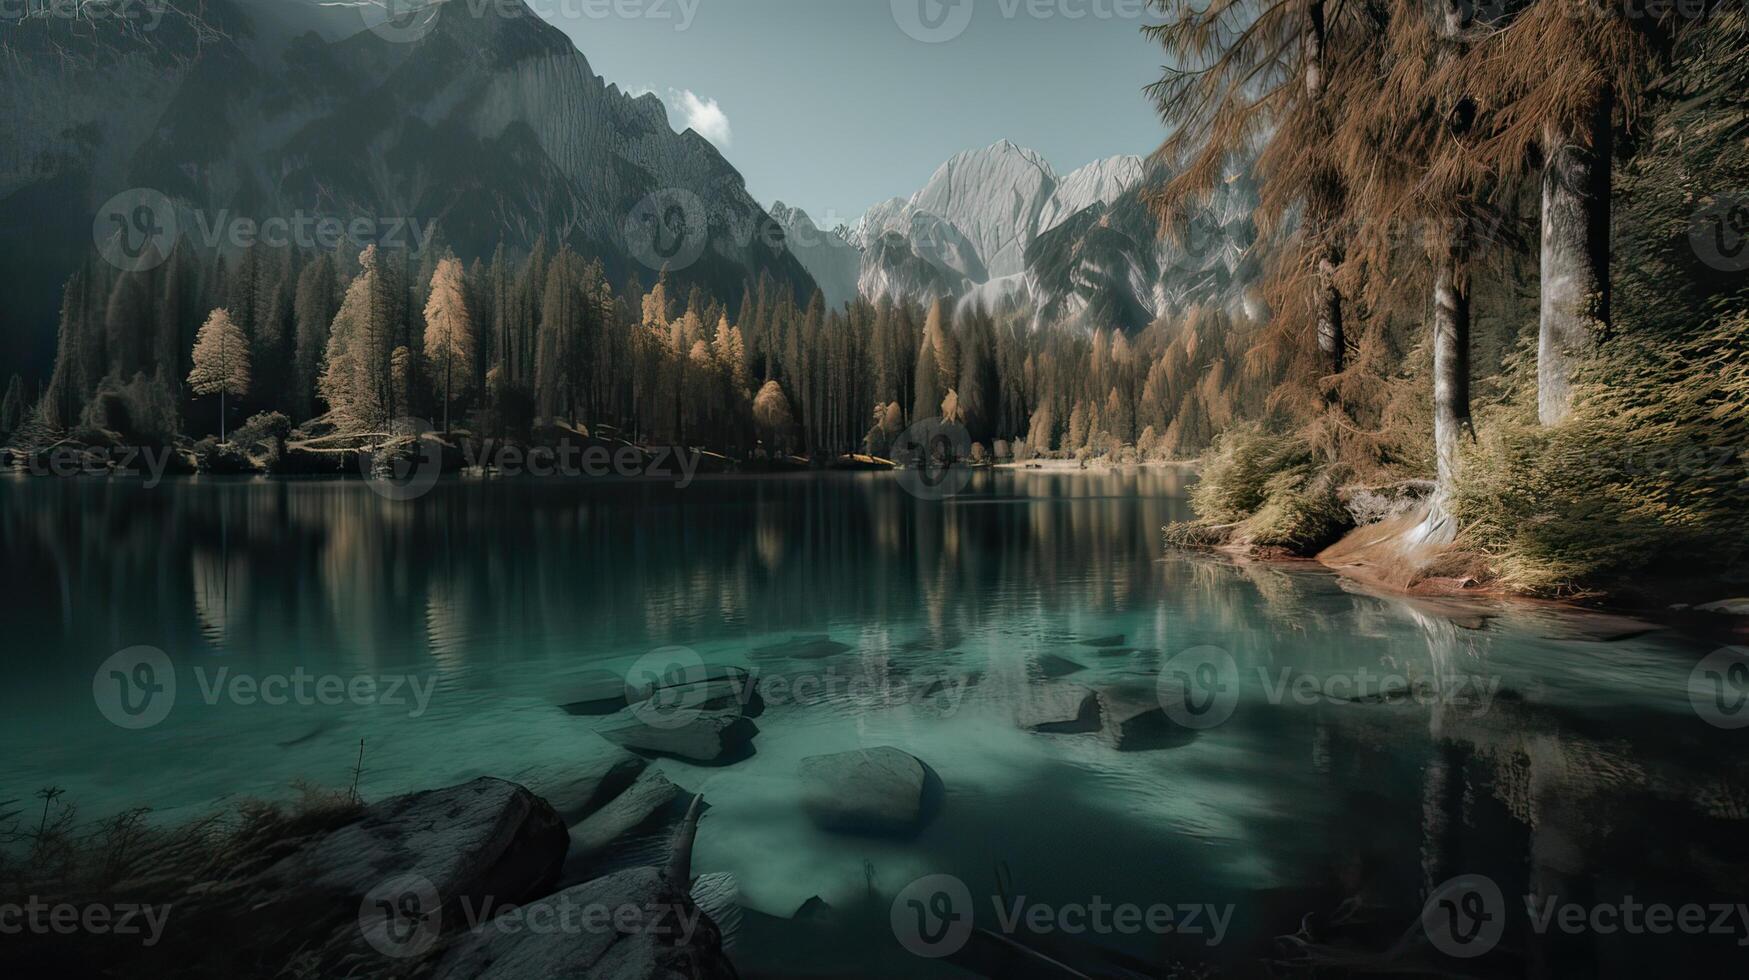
(221, 361)
(449, 332)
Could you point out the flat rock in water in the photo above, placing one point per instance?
(1727, 607)
(1117, 640)
(1058, 709)
(714, 736)
(1052, 665)
(590, 693)
(708, 688)
(651, 794)
(1596, 627)
(873, 791)
(577, 789)
(1132, 719)
(817, 647)
(662, 935)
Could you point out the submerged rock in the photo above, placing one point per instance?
(817, 647)
(710, 688)
(591, 693)
(1058, 709)
(1132, 719)
(711, 736)
(873, 791)
(1051, 665)
(1116, 640)
(577, 789)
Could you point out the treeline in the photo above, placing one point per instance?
(506, 346)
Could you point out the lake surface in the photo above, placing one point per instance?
(1549, 754)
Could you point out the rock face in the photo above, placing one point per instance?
(834, 263)
(869, 791)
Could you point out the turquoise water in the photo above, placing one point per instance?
(1538, 754)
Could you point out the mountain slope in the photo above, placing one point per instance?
(493, 126)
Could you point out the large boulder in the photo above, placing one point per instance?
(634, 925)
(640, 924)
(709, 736)
(650, 795)
(483, 840)
(1058, 708)
(870, 791)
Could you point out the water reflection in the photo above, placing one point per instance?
(1576, 769)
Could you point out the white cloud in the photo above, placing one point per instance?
(687, 110)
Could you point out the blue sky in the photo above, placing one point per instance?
(832, 106)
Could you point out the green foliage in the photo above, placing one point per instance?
(1238, 470)
(1650, 472)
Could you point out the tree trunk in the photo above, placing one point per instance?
(1329, 301)
(221, 416)
(1575, 258)
(1451, 358)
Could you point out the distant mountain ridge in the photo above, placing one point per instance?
(998, 228)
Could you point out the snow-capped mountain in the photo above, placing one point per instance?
(999, 229)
